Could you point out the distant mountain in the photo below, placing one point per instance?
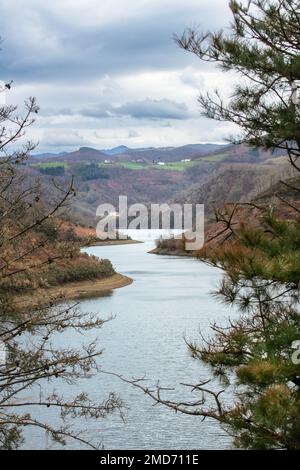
(212, 153)
(147, 155)
(241, 153)
(49, 155)
(83, 155)
(170, 154)
(201, 148)
(116, 150)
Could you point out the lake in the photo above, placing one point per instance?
(169, 299)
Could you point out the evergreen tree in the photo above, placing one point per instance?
(260, 254)
(263, 49)
(261, 264)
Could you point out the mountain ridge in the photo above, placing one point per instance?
(171, 153)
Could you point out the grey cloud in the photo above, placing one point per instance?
(132, 134)
(91, 112)
(46, 112)
(67, 51)
(144, 109)
(154, 109)
(56, 52)
(96, 113)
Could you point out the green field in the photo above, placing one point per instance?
(176, 166)
(50, 165)
(127, 165)
(169, 166)
(134, 165)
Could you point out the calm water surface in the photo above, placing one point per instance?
(169, 299)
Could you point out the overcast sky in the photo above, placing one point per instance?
(107, 72)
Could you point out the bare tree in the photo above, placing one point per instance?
(28, 336)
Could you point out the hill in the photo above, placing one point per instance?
(208, 172)
(281, 198)
(238, 182)
(116, 150)
(123, 153)
(171, 154)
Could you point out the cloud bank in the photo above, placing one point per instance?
(109, 73)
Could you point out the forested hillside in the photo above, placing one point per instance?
(203, 173)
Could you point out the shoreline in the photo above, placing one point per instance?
(112, 242)
(74, 291)
(167, 252)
